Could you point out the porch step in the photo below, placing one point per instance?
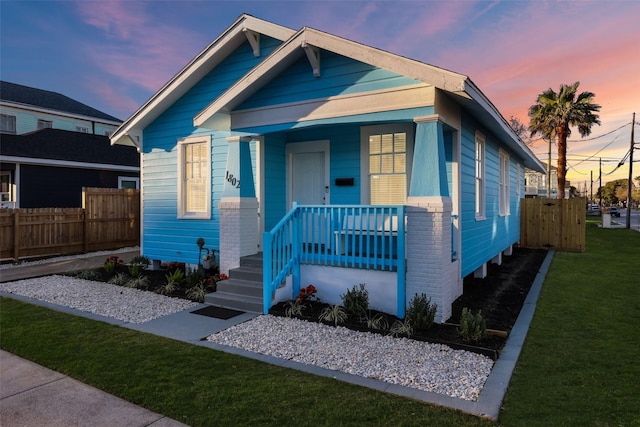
(243, 289)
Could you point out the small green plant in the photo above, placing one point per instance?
(421, 312)
(356, 301)
(333, 313)
(134, 270)
(88, 275)
(176, 277)
(472, 327)
(167, 289)
(401, 328)
(138, 282)
(378, 322)
(194, 278)
(141, 260)
(119, 279)
(198, 291)
(294, 308)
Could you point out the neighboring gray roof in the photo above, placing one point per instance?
(56, 144)
(51, 100)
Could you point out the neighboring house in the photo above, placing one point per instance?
(49, 167)
(535, 184)
(50, 141)
(338, 162)
(26, 109)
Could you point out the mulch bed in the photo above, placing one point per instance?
(499, 296)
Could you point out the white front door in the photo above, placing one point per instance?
(308, 173)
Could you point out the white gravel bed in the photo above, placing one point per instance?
(118, 302)
(68, 257)
(420, 365)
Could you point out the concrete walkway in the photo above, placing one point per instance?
(26, 386)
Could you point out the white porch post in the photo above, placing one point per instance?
(430, 269)
(238, 206)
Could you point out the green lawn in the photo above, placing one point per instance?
(580, 364)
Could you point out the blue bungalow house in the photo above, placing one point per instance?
(305, 158)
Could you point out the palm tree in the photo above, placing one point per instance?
(553, 115)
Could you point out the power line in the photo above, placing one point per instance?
(599, 136)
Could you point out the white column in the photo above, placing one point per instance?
(429, 266)
(238, 207)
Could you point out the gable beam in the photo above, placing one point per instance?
(254, 41)
(313, 55)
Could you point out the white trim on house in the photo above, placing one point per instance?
(308, 147)
(480, 176)
(57, 113)
(365, 132)
(183, 212)
(336, 106)
(122, 179)
(193, 72)
(67, 164)
(504, 184)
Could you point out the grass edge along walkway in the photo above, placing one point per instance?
(197, 385)
(580, 364)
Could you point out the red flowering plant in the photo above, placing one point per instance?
(307, 294)
(295, 307)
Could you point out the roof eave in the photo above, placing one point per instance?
(199, 66)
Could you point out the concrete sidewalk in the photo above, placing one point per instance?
(31, 395)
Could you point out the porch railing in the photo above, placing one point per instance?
(363, 237)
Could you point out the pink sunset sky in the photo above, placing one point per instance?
(114, 55)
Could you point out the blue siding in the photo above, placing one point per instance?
(484, 239)
(164, 236)
(340, 76)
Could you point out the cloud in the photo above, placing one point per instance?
(139, 49)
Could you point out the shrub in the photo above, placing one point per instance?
(176, 277)
(119, 279)
(333, 313)
(194, 278)
(140, 260)
(307, 294)
(294, 308)
(472, 327)
(356, 301)
(88, 275)
(199, 290)
(138, 282)
(421, 312)
(167, 289)
(111, 264)
(379, 322)
(400, 328)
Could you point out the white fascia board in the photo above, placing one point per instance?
(68, 164)
(34, 108)
(249, 83)
(293, 48)
(507, 131)
(438, 77)
(195, 70)
(400, 98)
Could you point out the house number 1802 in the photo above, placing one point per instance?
(233, 180)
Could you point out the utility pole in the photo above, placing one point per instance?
(600, 184)
(630, 184)
(591, 187)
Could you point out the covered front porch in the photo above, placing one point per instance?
(397, 250)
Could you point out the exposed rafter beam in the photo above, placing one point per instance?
(254, 41)
(313, 55)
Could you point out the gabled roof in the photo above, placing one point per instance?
(66, 146)
(26, 95)
(241, 30)
(463, 90)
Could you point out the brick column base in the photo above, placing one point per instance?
(429, 266)
(238, 230)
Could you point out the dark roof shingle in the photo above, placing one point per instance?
(56, 144)
(47, 99)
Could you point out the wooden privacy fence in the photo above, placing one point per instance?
(109, 219)
(557, 224)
